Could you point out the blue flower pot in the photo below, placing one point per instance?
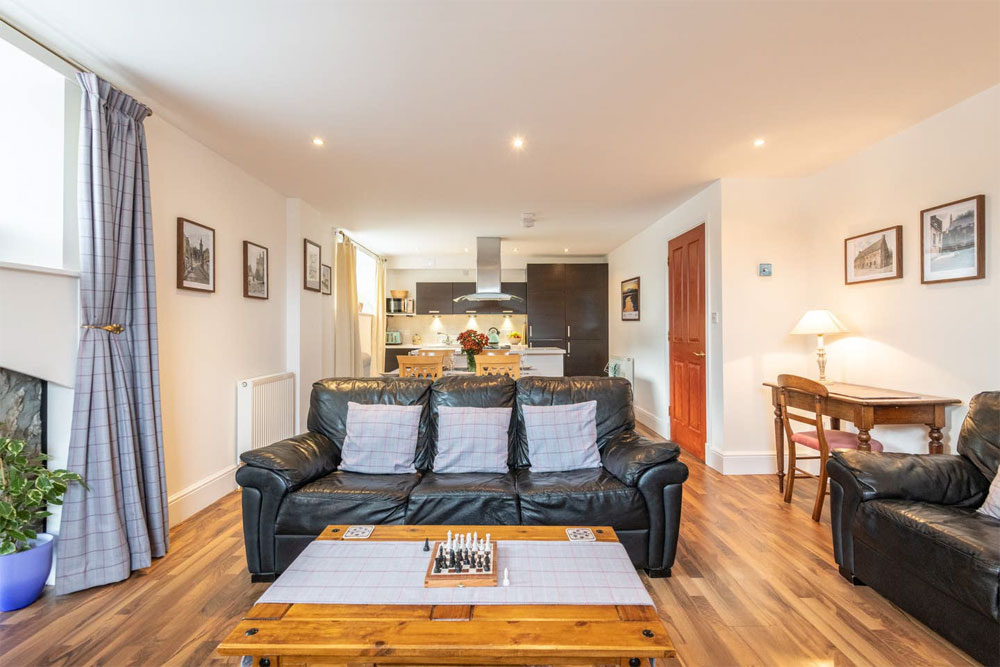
(23, 574)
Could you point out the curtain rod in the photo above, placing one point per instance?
(69, 61)
(355, 242)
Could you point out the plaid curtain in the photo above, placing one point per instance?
(120, 524)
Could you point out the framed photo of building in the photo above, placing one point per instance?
(311, 261)
(195, 256)
(255, 283)
(874, 256)
(327, 279)
(630, 300)
(953, 241)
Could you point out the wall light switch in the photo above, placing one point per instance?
(764, 270)
(715, 318)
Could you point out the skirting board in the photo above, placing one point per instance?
(742, 463)
(201, 494)
(651, 421)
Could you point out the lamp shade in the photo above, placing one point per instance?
(818, 322)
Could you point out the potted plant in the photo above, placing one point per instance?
(26, 486)
(472, 343)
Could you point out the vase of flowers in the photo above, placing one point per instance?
(472, 343)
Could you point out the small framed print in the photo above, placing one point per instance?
(874, 256)
(630, 300)
(195, 256)
(311, 261)
(327, 279)
(953, 241)
(255, 283)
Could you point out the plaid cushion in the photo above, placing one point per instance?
(472, 439)
(562, 437)
(381, 439)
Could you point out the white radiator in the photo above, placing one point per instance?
(265, 411)
(622, 367)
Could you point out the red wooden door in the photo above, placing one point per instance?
(686, 261)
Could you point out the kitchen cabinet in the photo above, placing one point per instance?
(514, 306)
(391, 362)
(434, 299)
(568, 308)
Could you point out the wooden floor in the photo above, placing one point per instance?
(754, 584)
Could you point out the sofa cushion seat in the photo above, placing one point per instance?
(345, 498)
(587, 497)
(954, 549)
(464, 498)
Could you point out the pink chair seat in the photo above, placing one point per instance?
(834, 440)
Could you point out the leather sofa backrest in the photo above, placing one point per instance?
(468, 391)
(328, 403)
(979, 440)
(614, 405)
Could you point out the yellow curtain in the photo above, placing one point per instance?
(347, 360)
(378, 325)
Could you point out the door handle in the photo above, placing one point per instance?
(569, 348)
(699, 354)
(529, 331)
(567, 332)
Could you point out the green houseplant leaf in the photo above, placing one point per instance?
(26, 487)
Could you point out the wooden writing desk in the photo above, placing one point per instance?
(865, 407)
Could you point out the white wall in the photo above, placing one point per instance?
(209, 341)
(939, 339)
(645, 255)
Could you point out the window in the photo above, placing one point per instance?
(38, 137)
(367, 278)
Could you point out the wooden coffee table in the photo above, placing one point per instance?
(287, 634)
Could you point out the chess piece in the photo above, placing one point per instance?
(486, 563)
(427, 544)
(506, 579)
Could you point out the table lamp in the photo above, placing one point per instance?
(819, 322)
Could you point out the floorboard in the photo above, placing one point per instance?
(754, 584)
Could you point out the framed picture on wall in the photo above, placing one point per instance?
(254, 271)
(311, 261)
(953, 241)
(195, 256)
(630, 299)
(327, 279)
(874, 256)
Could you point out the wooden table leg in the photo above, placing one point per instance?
(864, 440)
(935, 446)
(779, 446)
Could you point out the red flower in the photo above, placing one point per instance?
(472, 341)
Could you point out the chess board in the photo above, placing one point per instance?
(469, 576)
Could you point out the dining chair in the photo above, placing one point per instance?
(447, 356)
(497, 364)
(411, 366)
(821, 439)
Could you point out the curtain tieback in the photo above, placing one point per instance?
(110, 328)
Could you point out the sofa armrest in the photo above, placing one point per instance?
(628, 455)
(942, 479)
(297, 460)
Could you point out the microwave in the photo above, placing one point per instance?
(404, 306)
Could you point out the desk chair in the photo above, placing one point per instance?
(821, 439)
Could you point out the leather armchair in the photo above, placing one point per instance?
(906, 525)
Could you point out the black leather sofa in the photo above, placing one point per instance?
(292, 489)
(906, 525)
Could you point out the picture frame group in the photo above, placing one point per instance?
(952, 246)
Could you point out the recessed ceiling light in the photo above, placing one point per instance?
(515, 249)
(517, 143)
(758, 143)
(565, 249)
(466, 250)
(317, 141)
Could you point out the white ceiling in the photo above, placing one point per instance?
(626, 107)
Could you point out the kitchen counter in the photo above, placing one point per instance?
(546, 361)
(457, 349)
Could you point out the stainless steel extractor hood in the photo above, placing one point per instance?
(488, 273)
